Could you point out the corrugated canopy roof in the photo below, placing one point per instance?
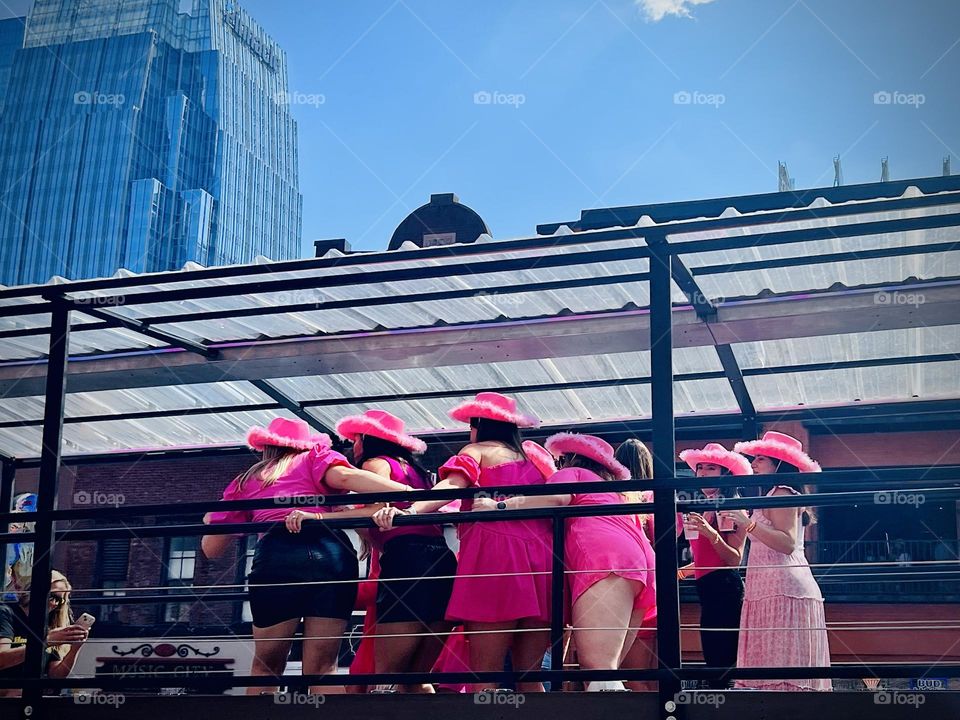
(822, 305)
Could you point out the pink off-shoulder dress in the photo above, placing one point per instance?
(511, 558)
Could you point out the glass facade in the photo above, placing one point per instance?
(142, 134)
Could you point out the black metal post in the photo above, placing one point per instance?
(664, 502)
(7, 479)
(46, 503)
(556, 601)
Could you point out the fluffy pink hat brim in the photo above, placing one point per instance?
(539, 456)
(258, 438)
(349, 428)
(734, 462)
(778, 451)
(479, 409)
(588, 447)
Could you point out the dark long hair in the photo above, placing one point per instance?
(373, 447)
(571, 460)
(636, 457)
(504, 432)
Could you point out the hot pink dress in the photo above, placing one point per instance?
(782, 622)
(597, 547)
(513, 556)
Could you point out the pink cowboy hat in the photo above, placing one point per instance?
(493, 406)
(780, 447)
(381, 424)
(590, 447)
(538, 455)
(717, 454)
(286, 433)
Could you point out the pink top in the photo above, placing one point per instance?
(407, 475)
(706, 559)
(303, 478)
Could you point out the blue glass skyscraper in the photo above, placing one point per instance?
(143, 134)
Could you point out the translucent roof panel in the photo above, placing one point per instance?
(149, 399)
(927, 381)
(555, 407)
(855, 346)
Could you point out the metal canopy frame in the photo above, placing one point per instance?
(659, 328)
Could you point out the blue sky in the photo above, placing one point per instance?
(586, 114)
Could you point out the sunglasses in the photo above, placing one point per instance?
(57, 599)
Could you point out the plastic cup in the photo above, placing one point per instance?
(690, 531)
(725, 523)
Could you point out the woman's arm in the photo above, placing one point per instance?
(729, 546)
(11, 656)
(341, 477)
(781, 534)
(213, 546)
(64, 666)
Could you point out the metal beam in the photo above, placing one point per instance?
(55, 396)
(267, 388)
(794, 316)
(139, 326)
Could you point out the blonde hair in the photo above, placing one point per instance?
(62, 615)
(272, 465)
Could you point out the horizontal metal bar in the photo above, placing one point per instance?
(849, 256)
(589, 236)
(931, 475)
(687, 672)
(141, 327)
(375, 277)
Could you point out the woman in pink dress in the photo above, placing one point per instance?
(636, 457)
(416, 566)
(503, 576)
(782, 623)
(300, 571)
(609, 560)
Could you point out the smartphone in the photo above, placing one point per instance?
(86, 620)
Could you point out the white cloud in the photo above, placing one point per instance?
(657, 10)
